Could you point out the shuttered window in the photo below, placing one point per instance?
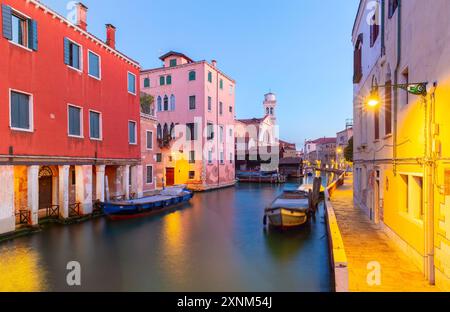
(74, 121)
(149, 175)
(19, 29)
(192, 102)
(162, 80)
(149, 140)
(72, 54)
(221, 84)
(220, 108)
(209, 76)
(131, 83)
(192, 157)
(192, 75)
(169, 80)
(173, 62)
(132, 132)
(146, 82)
(209, 103)
(20, 111)
(94, 125)
(94, 65)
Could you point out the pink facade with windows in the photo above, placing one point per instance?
(195, 108)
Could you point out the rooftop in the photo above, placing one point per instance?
(173, 53)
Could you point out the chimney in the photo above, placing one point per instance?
(214, 63)
(111, 35)
(82, 15)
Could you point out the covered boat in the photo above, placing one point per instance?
(291, 209)
(167, 198)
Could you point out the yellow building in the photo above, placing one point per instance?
(402, 157)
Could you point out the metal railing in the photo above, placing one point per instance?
(50, 212)
(74, 210)
(24, 216)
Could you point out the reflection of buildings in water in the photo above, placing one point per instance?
(20, 271)
(285, 245)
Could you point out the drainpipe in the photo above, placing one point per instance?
(397, 68)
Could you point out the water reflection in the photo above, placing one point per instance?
(20, 270)
(217, 243)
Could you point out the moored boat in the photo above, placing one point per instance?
(291, 209)
(166, 199)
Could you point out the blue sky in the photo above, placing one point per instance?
(299, 49)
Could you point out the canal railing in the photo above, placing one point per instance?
(339, 261)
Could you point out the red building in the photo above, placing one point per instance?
(69, 115)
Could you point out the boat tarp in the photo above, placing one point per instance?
(300, 204)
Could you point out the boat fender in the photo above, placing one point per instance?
(265, 220)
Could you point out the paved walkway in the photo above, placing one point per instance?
(364, 242)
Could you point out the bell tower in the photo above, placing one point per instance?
(270, 104)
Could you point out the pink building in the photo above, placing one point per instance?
(195, 131)
(149, 149)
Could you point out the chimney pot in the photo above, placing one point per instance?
(214, 63)
(111, 35)
(82, 16)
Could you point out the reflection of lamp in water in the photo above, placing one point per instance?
(20, 271)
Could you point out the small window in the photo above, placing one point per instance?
(75, 121)
(94, 65)
(146, 82)
(170, 158)
(173, 62)
(20, 111)
(149, 175)
(73, 54)
(231, 132)
(169, 80)
(209, 157)
(231, 89)
(209, 103)
(231, 158)
(192, 157)
(94, 125)
(131, 83)
(172, 102)
(230, 109)
(220, 108)
(221, 134)
(159, 103)
(221, 84)
(210, 131)
(191, 175)
(132, 132)
(158, 157)
(190, 132)
(149, 140)
(209, 76)
(192, 102)
(192, 75)
(221, 158)
(73, 176)
(162, 80)
(19, 30)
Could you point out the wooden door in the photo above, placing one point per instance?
(170, 176)
(45, 192)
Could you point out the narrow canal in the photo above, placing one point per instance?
(215, 243)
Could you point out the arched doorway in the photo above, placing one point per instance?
(45, 187)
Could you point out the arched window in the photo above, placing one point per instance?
(165, 131)
(172, 102)
(192, 75)
(172, 130)
(267, 111)
(159, 132)
(166, 103)
(159, 104)
(271, 111)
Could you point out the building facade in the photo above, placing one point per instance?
(69, 115)
(149, 148)
(400, 152)
(195, 108)
(321, 152)
(342, 141)
(257, 140)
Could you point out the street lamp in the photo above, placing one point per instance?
(413, 88)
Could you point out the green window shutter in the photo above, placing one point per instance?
(192, 76)
(162, 81)
(66, 51)
(173, 63)
(169, 80)
(221, 84)
(209, 76)
(147, 83)
(7, 21)
(32, 35)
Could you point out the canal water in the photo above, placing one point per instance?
(215, 243)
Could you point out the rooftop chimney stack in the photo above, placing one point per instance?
(214, 63)
(111, 35)
(82, 16)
